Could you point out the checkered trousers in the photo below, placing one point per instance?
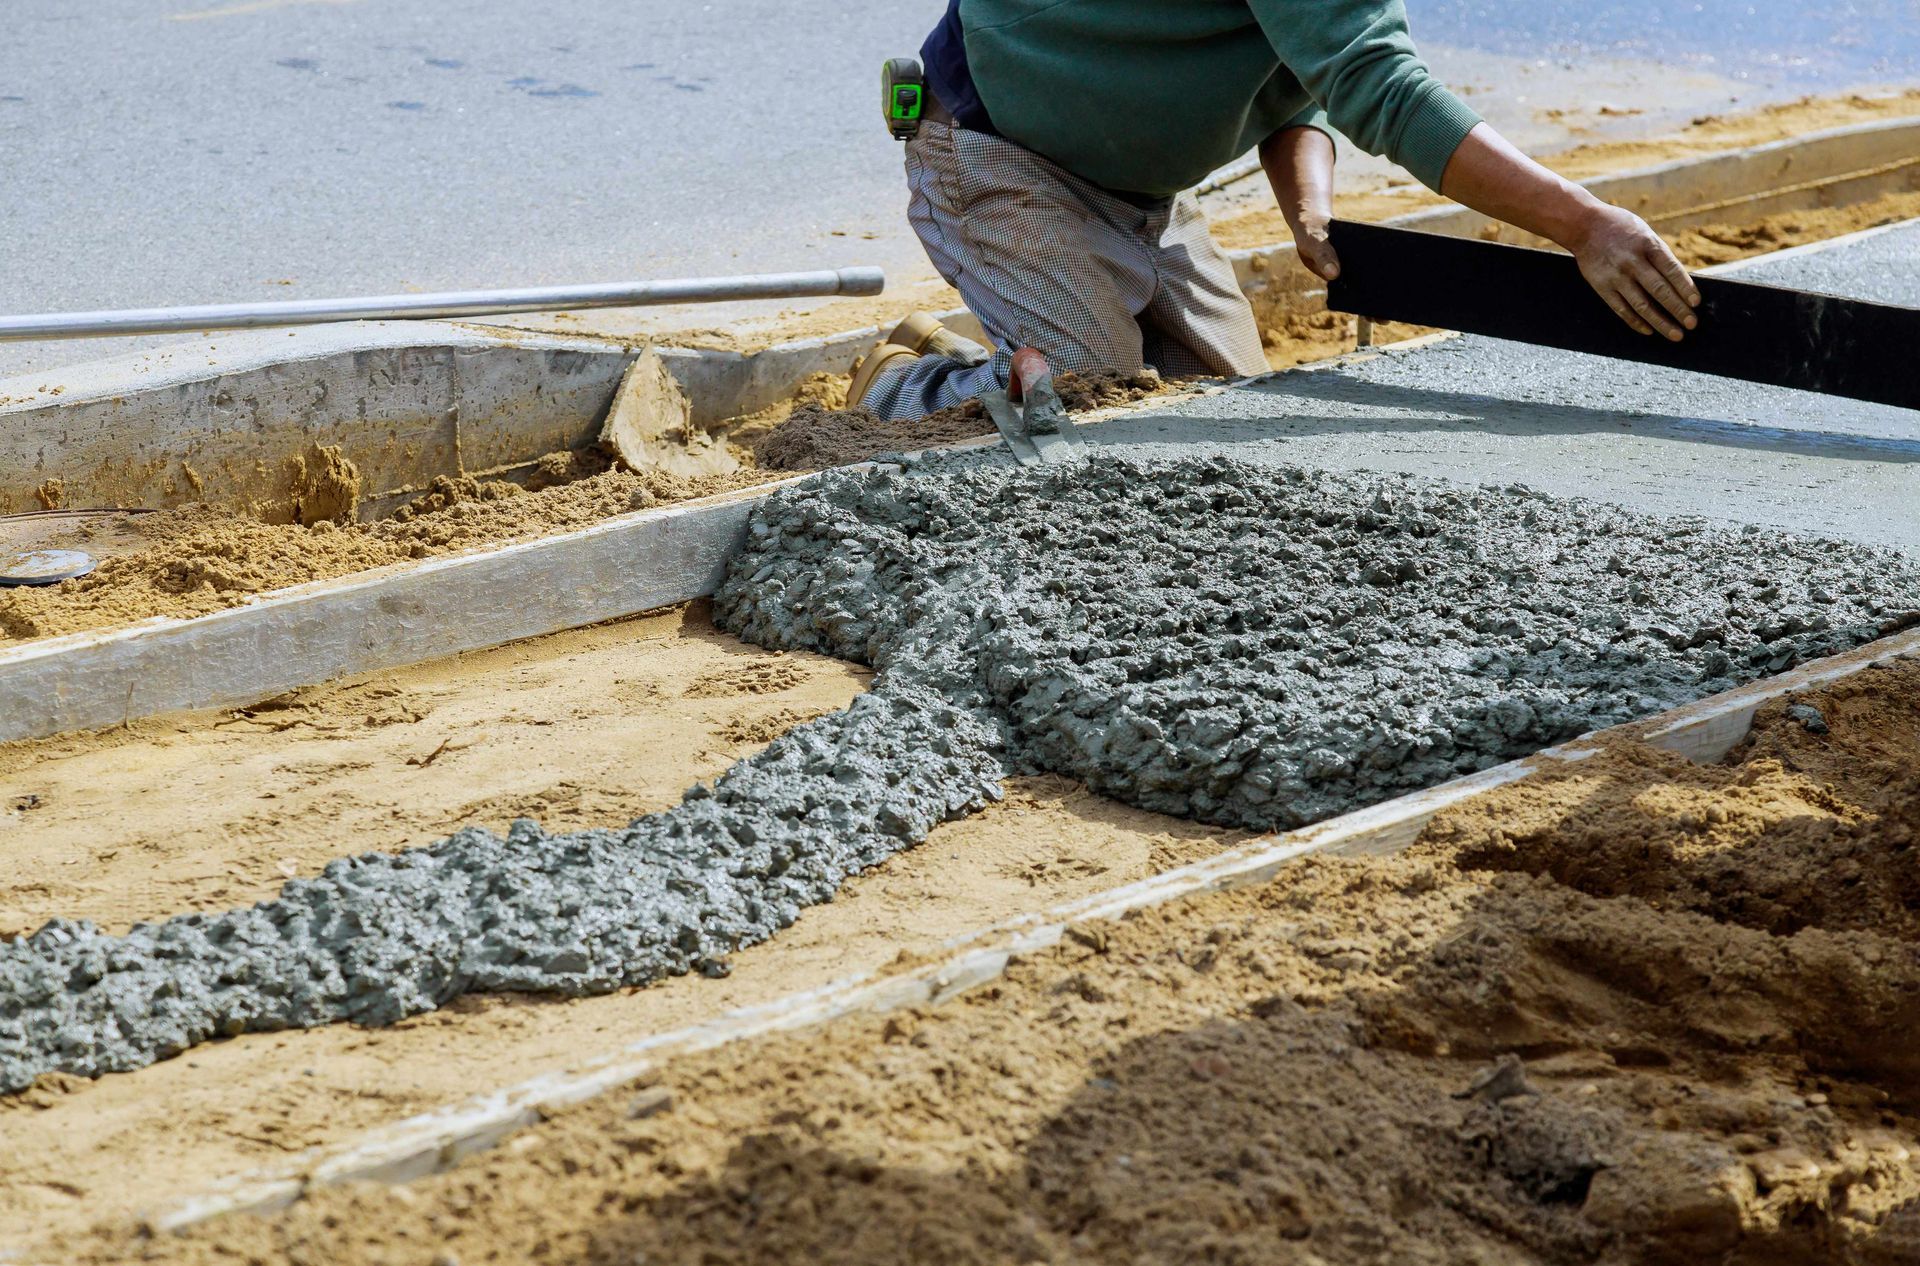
(1047, 260)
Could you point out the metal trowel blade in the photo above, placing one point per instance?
(1012, 429)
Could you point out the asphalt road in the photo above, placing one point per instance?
(163, 153)
(195, 151)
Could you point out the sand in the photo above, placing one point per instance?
(1725, 243)
(1705, 135)
(581, 729)
(1505, 1045)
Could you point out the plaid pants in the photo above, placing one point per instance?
(1047, 260)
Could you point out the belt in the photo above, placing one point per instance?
(934, 110)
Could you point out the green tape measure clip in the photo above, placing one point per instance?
(903, 87)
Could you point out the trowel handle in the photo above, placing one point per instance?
(1029, 370)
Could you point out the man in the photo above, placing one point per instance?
(1049, 180)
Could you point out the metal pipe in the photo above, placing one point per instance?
(459, 303)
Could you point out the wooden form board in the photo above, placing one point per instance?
(435, 1141)
(387, 618)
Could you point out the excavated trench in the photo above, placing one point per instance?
(1635, 1010)
(1250, 645)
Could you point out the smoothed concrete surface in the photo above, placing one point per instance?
(1484, 411)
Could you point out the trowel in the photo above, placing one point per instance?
(40, 547)
(650, 425)
(1030, 415)
(1753, 332)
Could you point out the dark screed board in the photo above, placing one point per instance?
(1753, 332)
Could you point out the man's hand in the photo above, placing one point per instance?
(1299, 163)
(1631, 268)
(1621, 258)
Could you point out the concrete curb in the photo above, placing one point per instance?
(405, 400)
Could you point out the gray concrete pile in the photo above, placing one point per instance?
(1240, 644)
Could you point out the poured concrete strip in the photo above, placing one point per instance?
(380, 619)
(218, 421)
(435, 1141)
(1480, 411)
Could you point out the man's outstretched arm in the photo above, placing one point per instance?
(1620, 256)
(1299, 163)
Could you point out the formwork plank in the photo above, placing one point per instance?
(393, 616)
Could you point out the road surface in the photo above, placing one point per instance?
(163, 152)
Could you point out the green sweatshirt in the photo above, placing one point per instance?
(1148, 96)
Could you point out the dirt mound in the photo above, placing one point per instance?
(1724, 243)
(1450, 1055)
(815, 436)
(1766, 843)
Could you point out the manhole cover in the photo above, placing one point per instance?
(43, 566)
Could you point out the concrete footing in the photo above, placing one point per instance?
(406, 401)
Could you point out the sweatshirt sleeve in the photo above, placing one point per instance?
(1314, 116)
(1357, 61)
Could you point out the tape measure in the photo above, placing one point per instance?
(903, 87)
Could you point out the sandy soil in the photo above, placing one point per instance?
(1725, 243)
(1705, 135)
(588, 728)
(1642, 1010)
(816, 436)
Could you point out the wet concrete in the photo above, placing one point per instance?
(1268, 646)
(1661, 441)
(1261, 639)
(1882, 265)
(1210, 638)
(379, 937)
